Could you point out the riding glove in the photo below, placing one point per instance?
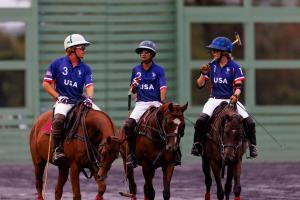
(88, 102)
(233, 99)
(63, 99)
(136, 81)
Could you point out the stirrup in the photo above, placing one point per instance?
(58, 157)
(131, 161)
(197, 149)
(253, 151)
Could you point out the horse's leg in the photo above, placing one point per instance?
(75, 182)
(207, 174)
(216, 168)
(149, 191)
(63, 172)
(167, 176)
(228, 184)
(39, 172)
(237, 184)
(129, 173)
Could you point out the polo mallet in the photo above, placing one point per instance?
(47, 167)
(237, 40)
(127, 194)
(129, 101)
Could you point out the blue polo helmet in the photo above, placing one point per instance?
(222, 44)
(146, 45)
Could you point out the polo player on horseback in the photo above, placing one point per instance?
(70, 75)
(149, 84)
(226, 79)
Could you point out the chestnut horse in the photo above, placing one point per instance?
(225, 145)
(94, 146)
(158, 136)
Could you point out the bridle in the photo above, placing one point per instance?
(163, 135)
(221, 133)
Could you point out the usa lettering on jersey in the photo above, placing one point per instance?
(147, 87)
(70, 83)
(220, 80)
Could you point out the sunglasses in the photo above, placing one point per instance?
(215, 50)
(82, 48)
(144, 52)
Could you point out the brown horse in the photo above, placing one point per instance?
(158, 136)
(225, 145)
(94, 146)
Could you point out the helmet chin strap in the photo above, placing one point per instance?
(78, 59)
(147, 61)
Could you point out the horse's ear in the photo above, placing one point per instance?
(170, 107)
(184, 107)
(227, 117)
(108, 140)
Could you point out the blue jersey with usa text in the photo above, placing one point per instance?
(223, 79)
(152, 81)
(68, 80)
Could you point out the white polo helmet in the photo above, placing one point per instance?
(74, 40)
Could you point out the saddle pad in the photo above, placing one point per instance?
(46, 129)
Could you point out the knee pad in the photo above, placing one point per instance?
(129, 126)
(202, 121)
(58, 122)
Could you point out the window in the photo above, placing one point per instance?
(277, 87)
(213, 2)
(12, 40)
(277, 40)
(282, 3)
(203, 34)
(15, 4)
(12, 88)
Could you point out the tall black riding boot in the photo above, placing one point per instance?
(58, 157)
(249, 126)
(129, 127)
(199, 135)
(177, 158)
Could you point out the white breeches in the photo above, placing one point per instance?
(141, 107)
(62, 108)
(212, 103)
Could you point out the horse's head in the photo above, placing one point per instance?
(233, 135)
(172, 123)
(108, 151)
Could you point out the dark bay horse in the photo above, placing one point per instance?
(225, 145)
(94, 146)
(158, 136)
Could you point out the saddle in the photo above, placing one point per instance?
(72, 121)
(144, 123)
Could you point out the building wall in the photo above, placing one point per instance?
(266, 56)
(180, 30)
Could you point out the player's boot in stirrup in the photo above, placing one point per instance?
(58, 157)
(253, 151)
(131, 161)
(197, 149)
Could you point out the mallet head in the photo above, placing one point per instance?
(237, 39)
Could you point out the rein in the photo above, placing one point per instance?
(218, 124)
(93, 154)
(160, 130)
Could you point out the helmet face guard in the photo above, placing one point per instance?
(222, 44)
(146, 45)
(75, 40)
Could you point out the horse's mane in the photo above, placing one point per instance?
(217, 119)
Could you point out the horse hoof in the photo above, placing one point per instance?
(39, 198)
(98, 197)
(237, 198)
(207, 196)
